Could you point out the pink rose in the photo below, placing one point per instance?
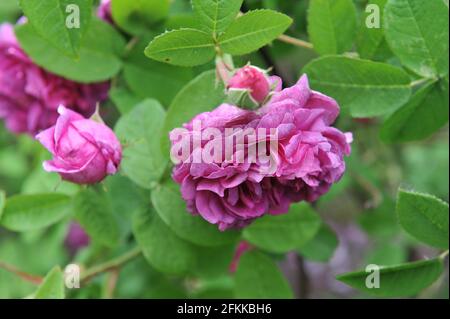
(104, 11)
(308, 157)
(30, 96)
(252, 79)
(84, 151)
(76, 238)
(311, 152)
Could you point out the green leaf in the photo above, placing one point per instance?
(370, 39)
(52, 287)
(363, 87)
(417, 32)
(424, 216)
(252, 31)
(2, 202)
(40, 181)
(138, 16)
(321, 248)
(202, 94)
(257, 277)
(424, 114)
(387, 255)
(30, 212)
(380, 222)
(166, 80)
(184, 47)
(213, 262)
(332, 25)
(142, 160)
(161, 247)
(166, 199)
(282, 233)
(124, 99)
(93, 212)
(99, 56)
(9, 10)
(216, 15)
(397, 281)
(62, 23)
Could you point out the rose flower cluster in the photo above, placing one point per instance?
(306, 152)
(309, 156)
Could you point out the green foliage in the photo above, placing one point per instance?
(282, 233)
(371, 42)
(136, 17)
(163, 249)
(30, 212)
(123, 99)
(258, 277)
(93, 212)
(99, 57)
(2, 203)
(52, 287)
(417, 32)
(169, 205)
(61, 22)
(421, 116)
(332, 25)
(252, 31)
(142, 159)
(363, 87)
(166, 80)
(424, 216)
(216, 15)
(399, 280)
(184, 47)
(321, 247)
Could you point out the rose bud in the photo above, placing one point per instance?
(252, 79)
(104, 11)
(76, 238)
(84, 151)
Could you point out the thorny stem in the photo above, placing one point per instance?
(294, 41)
(131, 44)
(25, 276)
(111, 283)
(422, 81)
(443, 255)
(367, 186)
(111, 265)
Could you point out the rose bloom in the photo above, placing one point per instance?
(84, 151)
(30, 95)
(309, 159)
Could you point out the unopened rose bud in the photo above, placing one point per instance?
(252, 79)
(104, 11)
(76, 238)
(84, 151)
